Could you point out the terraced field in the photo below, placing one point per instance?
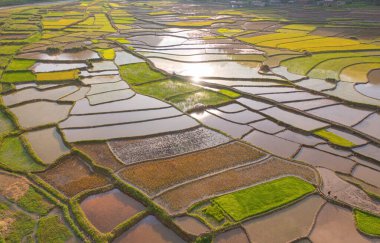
(166, 121)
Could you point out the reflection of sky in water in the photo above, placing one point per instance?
(203, 57)
(202, 50)
(370, 90)
(64, 56)
(200, 115)
(51, 67)
(224, 69)
(154, 40)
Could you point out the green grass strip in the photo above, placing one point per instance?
(264, 197)
(164, 89)
(229, 93)
(6, 124)
(334, 139)
(205, 98)
(20, 65)
(14, 157)
(367, 223)
(9, 49)
(214, 211)
(14, 77)
(139, 73)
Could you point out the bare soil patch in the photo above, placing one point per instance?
(13, 187)
(100, 154)
(72, 175)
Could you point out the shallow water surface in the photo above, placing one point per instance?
(36, 94)
(47, 144)
(149, 230)
(223, 69)
(372, 88)
(40, 113)
(336, 224)
(64, 56)
(94, 120)
(107, 210)
(139, 129)
(286, 225)
(191, 225)
(40, 67)
(234, 235)
(232, 129)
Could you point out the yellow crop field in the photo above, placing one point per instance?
(123, 27)
(52, 34)
(270, 37)
(88, 21)
(276, 43)
(333, 67)
(114, 5)
(102, 21)
(108, 54)
(119, 40)
(358, 73)
(319, 43)
(196, 17)
(229, 32)
(58, 76)
(59, 24)
(300, 41)
(230, 12)
(344, 48)
(282, 30)
(303, 27)
(98, 22)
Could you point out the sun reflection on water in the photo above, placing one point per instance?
(200, 70)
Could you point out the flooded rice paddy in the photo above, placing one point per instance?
(108, 209)
(131, 118)
(148, 230)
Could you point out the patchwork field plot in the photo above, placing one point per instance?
(78, 176)
(279, 192)
(107, 210)
(187, 167)
(168, 121)
(330, 216)
(301, 214)
(149, 229)
(180, 198)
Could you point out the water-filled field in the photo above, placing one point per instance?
(164, 121)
